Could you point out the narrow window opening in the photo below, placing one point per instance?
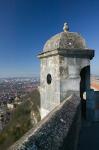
(49, 79)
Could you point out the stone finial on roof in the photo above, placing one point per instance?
(66, 27)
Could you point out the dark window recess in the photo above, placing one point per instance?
(84, 87)
(49, 78)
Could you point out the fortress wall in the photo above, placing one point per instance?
(59, 130)
(93, 105)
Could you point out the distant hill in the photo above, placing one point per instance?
(21, 120)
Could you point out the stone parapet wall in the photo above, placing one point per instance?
(92, 105)
(59, 130)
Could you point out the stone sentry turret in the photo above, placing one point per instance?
(63, 57)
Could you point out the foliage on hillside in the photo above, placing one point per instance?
(20, 121)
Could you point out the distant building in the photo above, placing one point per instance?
(10, 106)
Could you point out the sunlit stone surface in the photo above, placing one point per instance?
(63, 57)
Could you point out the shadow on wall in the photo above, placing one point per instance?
(93, 105)
(84, 87)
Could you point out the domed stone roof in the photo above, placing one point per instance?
(65, 40)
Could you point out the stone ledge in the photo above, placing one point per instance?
(57, 131)
(78, 53)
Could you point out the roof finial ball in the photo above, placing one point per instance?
(66, 27)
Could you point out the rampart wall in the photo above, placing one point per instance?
(59, 130)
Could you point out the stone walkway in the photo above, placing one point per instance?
(89, 136)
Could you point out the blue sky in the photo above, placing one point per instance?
(25, 25)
